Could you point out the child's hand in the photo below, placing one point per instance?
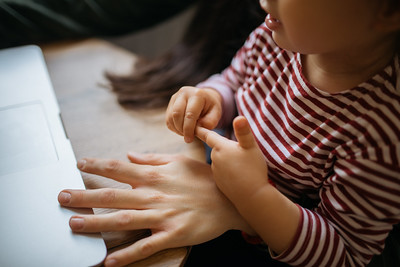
(240, 172)
(239, 168)
(192, 106)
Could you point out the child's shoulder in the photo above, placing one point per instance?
(261, 36)
(389, 78)
(260, 41)
(379, 99)
(263, 30)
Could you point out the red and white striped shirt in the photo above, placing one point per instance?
(340, 150)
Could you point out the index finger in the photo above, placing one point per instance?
(209, 137)
(120, 171)
(193, 111)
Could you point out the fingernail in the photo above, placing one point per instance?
(81, 164)
(110, 263)
(64, 197)
(76, 223)
(188, 139)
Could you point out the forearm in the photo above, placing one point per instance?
(272, 215)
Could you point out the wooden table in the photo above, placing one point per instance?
(99, 127)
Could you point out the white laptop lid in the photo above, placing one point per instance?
(36, 163)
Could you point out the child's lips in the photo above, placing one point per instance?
(272, 23)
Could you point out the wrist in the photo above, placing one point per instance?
(273, 216)
(243, 196)
(245, 227)
(232, 219)
(242, 202)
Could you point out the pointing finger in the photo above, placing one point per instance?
(209, 137)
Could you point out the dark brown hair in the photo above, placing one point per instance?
(392, 7)
(217, 30)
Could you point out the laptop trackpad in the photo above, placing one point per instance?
(25, 138)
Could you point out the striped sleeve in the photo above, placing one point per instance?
(360, 198)
(359, 205)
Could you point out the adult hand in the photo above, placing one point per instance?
(239, 168)
(172, 195)
(192, 106)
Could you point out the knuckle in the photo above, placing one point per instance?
(146, 249)
(153, 177)
(173, 97)
(107, 196)
(189, 115)
(169, 213)
(207, 139)
(176, 114)
(124, 219)
(112, 166)
(185, 88)
(180, 232)
(156, 197)
(198, 92)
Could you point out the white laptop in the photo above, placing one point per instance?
(36, 163)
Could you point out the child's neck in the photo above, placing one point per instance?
(338, 72)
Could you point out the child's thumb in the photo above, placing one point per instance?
(243, 132)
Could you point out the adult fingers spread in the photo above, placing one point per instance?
(139, 250)
(243, 132)
(103, 198)
(116, 221)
